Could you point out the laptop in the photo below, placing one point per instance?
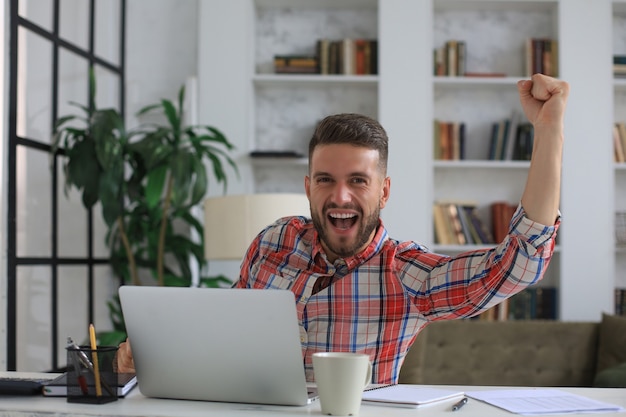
(229, 345)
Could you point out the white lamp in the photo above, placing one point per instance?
(232, 222)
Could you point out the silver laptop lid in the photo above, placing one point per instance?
(232, 345)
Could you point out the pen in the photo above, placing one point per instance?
(84, 360)
(82, 357)
(94, 354)
(460, 404)
(80, 376)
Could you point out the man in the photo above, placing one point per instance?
(359, 290)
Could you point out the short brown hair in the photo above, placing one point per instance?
(352, 129)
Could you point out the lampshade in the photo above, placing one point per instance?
(232, 222)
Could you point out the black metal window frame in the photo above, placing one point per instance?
(53, 261)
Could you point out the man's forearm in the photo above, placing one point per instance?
(541, 195)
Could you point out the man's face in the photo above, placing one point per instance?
(346, 191)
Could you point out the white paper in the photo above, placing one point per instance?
(542, 401)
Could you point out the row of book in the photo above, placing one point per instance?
(542, 57)
(539, 303)
(459, 224)
(619, 66)
(450, 59)
(533, 303)
(449, 140)
(619, 142)
(501, 214)
(346, 56)
(511, 140)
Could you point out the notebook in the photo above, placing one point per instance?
(410, 396)
(58, 386)
(230, 345)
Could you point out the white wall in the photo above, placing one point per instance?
(161, 50)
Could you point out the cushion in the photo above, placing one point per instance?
(614, 377)
(611, 342)
(513, 353)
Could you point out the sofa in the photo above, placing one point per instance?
(519, 353)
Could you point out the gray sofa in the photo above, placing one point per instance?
(518, 353)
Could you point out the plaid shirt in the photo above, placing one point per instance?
(378, 300)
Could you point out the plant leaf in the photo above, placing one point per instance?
(154, 187)
(172, 116)
(215, 282)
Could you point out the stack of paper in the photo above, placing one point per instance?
(542, 401)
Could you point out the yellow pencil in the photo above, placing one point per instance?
(94, 354)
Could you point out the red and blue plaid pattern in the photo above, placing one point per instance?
(377, 301)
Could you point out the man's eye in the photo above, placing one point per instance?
(323, 179)
(359, 180)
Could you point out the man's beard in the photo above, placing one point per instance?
(344, 250)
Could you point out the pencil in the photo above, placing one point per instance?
(94, 354)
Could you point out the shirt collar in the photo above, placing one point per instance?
(354, 261)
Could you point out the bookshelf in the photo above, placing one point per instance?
(495, 34)
(261, 110)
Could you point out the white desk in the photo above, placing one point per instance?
(136, 404)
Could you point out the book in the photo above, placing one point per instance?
(501, 215)
(58, 386)
(410, 396)
(534, 303)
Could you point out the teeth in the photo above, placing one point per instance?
(342, 215)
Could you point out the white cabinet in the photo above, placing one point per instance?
(259, 110)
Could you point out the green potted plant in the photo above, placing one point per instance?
(147, 181)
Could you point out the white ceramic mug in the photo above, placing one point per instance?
(341, 378)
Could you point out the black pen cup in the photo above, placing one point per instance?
(91, 375)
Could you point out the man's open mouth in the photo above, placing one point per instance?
(342, 220)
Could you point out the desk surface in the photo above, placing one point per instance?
(136, 404)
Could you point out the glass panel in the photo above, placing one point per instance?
(74, 22)
(34, 86)
(100, 249)
(72, 218)
(34, 320)
(73, 308)
(107, 30)
(105, 287)
(40, 12)
(73, 83)
(33, 202)
(108, 88)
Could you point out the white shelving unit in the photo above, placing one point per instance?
(261, 110)
(619, 85)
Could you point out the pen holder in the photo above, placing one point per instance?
(91, 377)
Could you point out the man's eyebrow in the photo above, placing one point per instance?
(352, 174)
(321, 174)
